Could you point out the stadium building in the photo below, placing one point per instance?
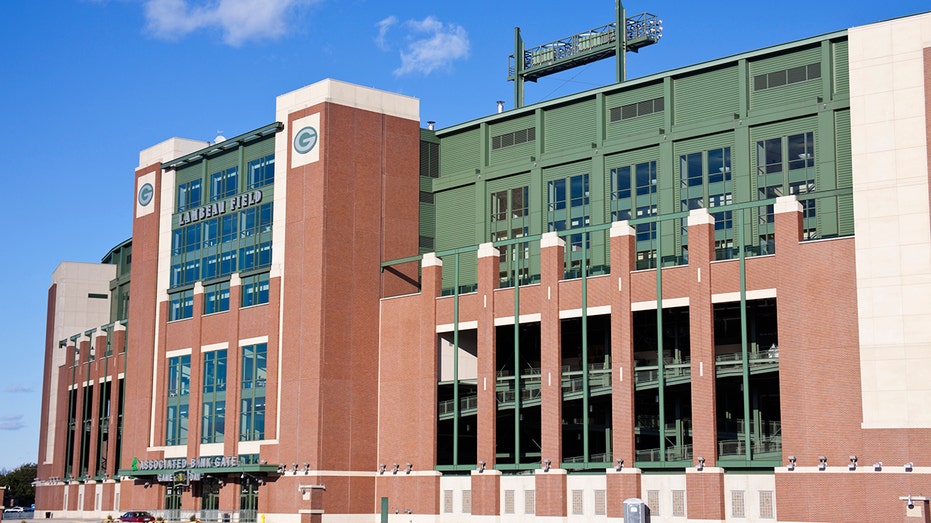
(706, 289)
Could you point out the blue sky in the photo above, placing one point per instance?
(85, 85)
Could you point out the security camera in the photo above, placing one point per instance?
(909, 503)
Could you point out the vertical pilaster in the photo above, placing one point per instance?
(83, 352)
(701, 336)
(485, 498)
(624, 483)
(196, 398)
(233, 372)
(551, 480)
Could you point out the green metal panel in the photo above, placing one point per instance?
(783, 128)
(569, 125)
(518, 151)
(641, 124)
(189, 173)
(509, 182)
(565, 170)
(427, 217)
(841, 67)
(455, 227)
(785, 60)
(844, 166)
(223, 161)
(713, 93)
(259, 149)
(777, 96)
(460, 152)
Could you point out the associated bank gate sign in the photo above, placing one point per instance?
(214, 462)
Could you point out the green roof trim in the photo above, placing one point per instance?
(221, 147)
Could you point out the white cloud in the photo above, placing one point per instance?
(383, 26)
(238, 20)
(431, 44)
(17, 388)
(11, 422)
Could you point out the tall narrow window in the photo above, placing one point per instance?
(705, 182)
(569, 208)
(213, 417)
(252, 410)
(786, 165)
(179, 390)
(633, 196)
(510, 219)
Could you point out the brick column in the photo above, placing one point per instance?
(551, 485)
(233, 372)
(625, 483)
(701, 337)
(83, 351)
(485, 491)
(117, 345)
(100, 348)
(705, 491)
(196, 397)
(788, 218)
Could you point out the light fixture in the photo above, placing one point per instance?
(294, 466)
(306, 468)
(546, 465)
(701, 464)
(481, 467)
(791, 465)
(394, 468)
(409, 468)
(878, 466)
(620, 464)
(381, 468)
(909, 466)
(822, 463)
(853, 463)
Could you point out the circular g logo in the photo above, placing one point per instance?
(305, 140)
(145, 194)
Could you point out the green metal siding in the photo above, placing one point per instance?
(841, 67)
(455, 227)
(223, 161)
(509, 182)
(709, 94)
(776, 96)
(257, 150)
(512, 152)
(460, 152)
(844, 171)
(642, 124)
(569, 125)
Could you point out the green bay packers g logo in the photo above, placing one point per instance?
(145, 194)
(305, 140)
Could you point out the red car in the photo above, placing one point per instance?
(137, 517)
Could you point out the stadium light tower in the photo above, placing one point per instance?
(614, 39)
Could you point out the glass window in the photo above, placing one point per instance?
(179, 389)
(214, 399)
(217, 297)
(181, 305)
(252, 410)
(224, 183)
(261, 172)
(509, 220)
(633, 196)
(189, 195)
(570, 211)
(255, 289)
(786, 165)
